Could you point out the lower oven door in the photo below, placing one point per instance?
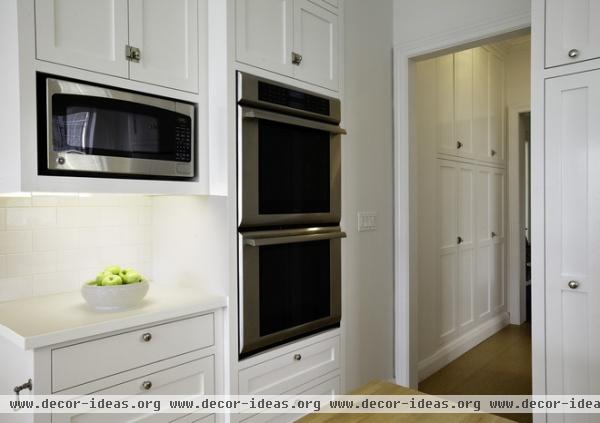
(290, 285)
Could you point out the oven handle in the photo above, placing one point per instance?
(250, 113)
(292, 239)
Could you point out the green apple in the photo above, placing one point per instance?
(115, 270)
(132, 277)
(101, 277)
(112, 280)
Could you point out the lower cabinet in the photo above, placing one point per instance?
(193, 378)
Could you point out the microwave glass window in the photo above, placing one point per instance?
(294, 285)
(294, 169)
(109, 127)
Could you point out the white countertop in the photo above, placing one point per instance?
(42, 321)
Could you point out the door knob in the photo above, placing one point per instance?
(459, 240)
(573, 53)
(573, 284)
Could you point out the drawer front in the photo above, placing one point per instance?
(329, 387)
(193, 378)
(290, 370)
(77, 364)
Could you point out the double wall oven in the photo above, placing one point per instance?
(289, 209)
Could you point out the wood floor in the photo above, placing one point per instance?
(501, 365)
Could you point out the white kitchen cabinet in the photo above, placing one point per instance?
(463, 102)
(572, 268)
(316, 41)
(94, 35)
(467, 97)
(167, 35)
(471, 245)
(295, 38)
(264, 34)
(572, 31)
(88, 34)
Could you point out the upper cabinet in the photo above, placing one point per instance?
(572, 31)
(295, 38)
(149, 41)
(467, 98)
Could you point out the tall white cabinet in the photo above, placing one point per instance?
(461, 185)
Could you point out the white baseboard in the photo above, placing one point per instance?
(461, 345)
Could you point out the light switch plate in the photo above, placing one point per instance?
(367, 221)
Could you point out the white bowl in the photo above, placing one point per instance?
(114, 297)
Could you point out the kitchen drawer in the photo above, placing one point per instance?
(80, 363)
(193, 378)
(291, 370)
(329, 387)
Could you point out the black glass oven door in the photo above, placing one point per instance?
(290, 285)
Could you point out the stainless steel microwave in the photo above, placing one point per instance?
(91, 130)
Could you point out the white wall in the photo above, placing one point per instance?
(367, 172)
(53, 243)
(425, 18)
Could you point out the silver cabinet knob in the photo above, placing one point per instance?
(573, 284)
(296, 58)
(147, 385)
(297, 357)
(459, 144)
(573, 53)
(493, 153)
(147, 337)
(493, 234)
(133, 54)
(459, 240)
(61, 160)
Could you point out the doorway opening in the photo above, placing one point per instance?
(470, 197)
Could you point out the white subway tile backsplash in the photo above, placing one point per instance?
(15, 288)
(12, 242)
(28, 217)
(54, 243)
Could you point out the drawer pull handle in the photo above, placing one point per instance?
(297, 357)
(147, 337)
(147, 385)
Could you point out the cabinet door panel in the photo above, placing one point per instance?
(485, 264)
(87, 34)
(448, 249)
(316, 39)
(264, 34)
(167, 35)
(466, 249)
(481, 109)
(572, 236)
(572, 24)
(463, 101)
(444, 104)
(496, 109)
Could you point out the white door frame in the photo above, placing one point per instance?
(406, 340)
(515, 283)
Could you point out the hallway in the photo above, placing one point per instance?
(499, 365)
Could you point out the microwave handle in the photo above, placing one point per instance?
(250, 113)
(292, 239)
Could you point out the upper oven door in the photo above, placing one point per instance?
(288, 169)
(97, 129)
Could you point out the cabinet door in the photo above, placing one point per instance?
(316, 40)
(497, 223)
(87, 34)
(444, 104)
(167, 35)
(466, 247)
(264, 31)
(485, 249)
(448, 182)
(572, 31)
(496, 109)
(572, 237)
(193, 378)
(463, 102)
(481, 104)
